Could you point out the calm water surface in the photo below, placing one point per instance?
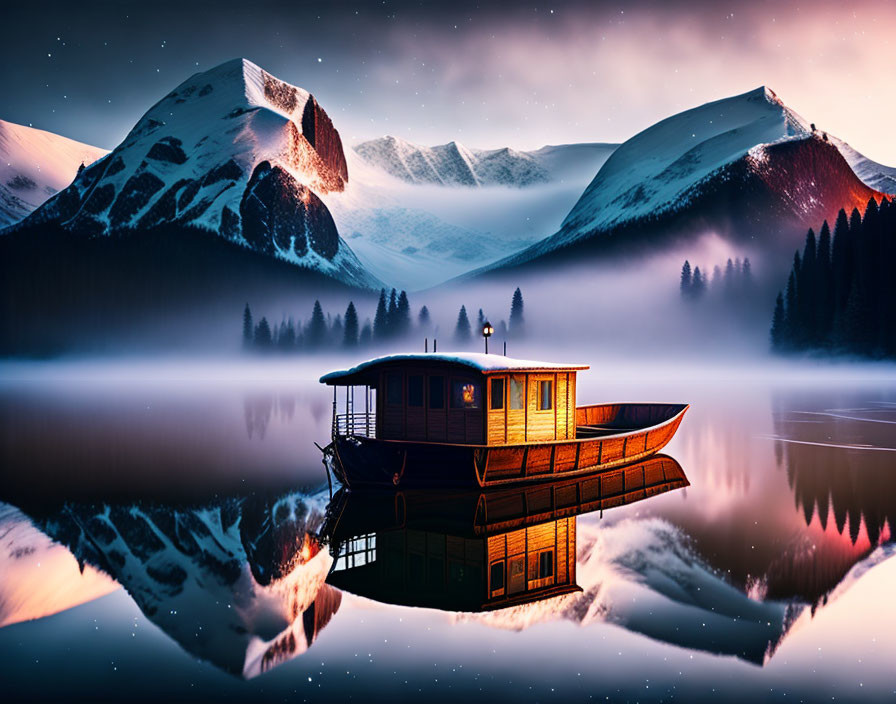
(173, 537)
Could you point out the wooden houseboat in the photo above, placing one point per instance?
(476, 550)
(481, 420)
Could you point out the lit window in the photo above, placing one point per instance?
(464, 394)
(517, 393)
(545, 395)
(497, 401)
(357, 551)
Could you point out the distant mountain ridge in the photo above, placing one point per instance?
(35, 165)
(454, 164)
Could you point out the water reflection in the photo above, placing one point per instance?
(238, 582)
(477, 551)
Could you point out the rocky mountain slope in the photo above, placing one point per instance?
(234, 151)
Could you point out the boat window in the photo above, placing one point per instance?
(496, 576)
(393, 389)
(464, 394)
(497, 401)
(546, 564)
(436, 392)
(517, 393)
(415, 391)
(545, 395)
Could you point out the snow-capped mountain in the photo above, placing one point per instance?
(35, 165)
(417, 234)
(238, 582)
(234, 151)
(747, 167)
(454, 164)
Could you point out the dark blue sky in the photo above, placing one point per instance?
(477, 72)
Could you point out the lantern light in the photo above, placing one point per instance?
(487, 331)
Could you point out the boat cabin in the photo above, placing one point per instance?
(465, 398)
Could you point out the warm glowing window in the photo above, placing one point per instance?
(517, 393)
(545, 395)
(464, 394)
(497, 400)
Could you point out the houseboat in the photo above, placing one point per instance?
(476, 550)
(480, 420)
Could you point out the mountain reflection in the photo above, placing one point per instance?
(238, 582)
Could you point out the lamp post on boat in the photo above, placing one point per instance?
(487, 331)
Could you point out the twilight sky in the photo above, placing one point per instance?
(482, 74)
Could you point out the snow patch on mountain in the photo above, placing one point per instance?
(35, 165)
(877, 176)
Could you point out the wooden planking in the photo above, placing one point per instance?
(561, 386)
(541, 425)
(539, 459)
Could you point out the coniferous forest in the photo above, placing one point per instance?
(391, 321)
(841, 292)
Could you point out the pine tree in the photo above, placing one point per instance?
(747, 277)
(366, 336)
(381, 319)
(687, 281)
(716, 283)
(791, 325)
(402, 324)
(337, 332)
(698, 285)
(392, 314)
(517, 322)
(316, 332)
(462, 333)
(248, 327)
(423, 319)
(778, 331)
(824, 284)
(350, 336)
(730, 288)
(480, 320)
(263, 339)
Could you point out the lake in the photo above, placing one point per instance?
(168, 532)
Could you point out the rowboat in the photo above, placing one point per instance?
(479, 421)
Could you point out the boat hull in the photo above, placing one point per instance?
(373, 462)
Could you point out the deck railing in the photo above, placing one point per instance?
(360, 424)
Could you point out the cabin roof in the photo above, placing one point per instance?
(475, 360)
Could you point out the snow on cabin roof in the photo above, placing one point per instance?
(476, 360)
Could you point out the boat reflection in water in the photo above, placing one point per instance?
(238, 582)
(481, 550)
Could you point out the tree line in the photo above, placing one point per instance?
(735, 282)
(392, 321)
(841, 291)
